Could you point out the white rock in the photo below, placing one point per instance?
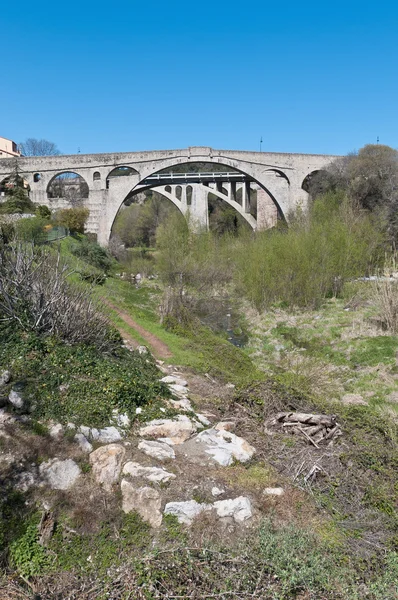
(145, 500)
(107, 464)
(60, 474)
(5, 377)
(154, 474)
(158, 450)
(86, 431)
(83, 442)
(108, 435)
(225, 447)
(142, 350)
(274, 491)
(16, 399)
(121, 420)
(186, 511)
(171, 431)
(204, 420)
(178, 389)
(138, 410)
(182, 404)
(239, 508)
(5, 417)
(215, 491)
(56, 431)
(171, 379)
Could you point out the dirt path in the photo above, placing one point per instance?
(158, 348)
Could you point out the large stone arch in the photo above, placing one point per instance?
(276, 179)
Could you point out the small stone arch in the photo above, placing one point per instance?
(278, 173)
(36, 177)
(316, 182)
(96, 176)
(120, 171)
(69, 186)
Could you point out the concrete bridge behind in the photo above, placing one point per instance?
(278, 180)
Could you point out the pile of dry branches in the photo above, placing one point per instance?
(315, 429)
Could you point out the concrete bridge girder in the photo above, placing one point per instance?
(281, 175)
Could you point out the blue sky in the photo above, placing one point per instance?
(316, 77)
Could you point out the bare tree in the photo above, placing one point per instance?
(36, 295)
(34, 147)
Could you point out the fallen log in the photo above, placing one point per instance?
(307, 419)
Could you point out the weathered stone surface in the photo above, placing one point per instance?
(142, 350)
(5, 417)
(15, 398)
(121, 420)
(186, 511)
(159, 450)
(107, 435)
(83, 442)
(203, 420)
(225, 447)
(182, 404)
(239, 509)
(145, 500)
(56, 431)
(225, 426)
(172, 379)
(59, 474)
(215, 491)
(353, 399)
(5, 377)
(107, 464)
(154, 474)
(274, 491)
(180, 390)
(171, 431)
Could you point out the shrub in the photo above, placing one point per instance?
(385, 297)
(35, 295)
(18, 202)
(310, 260)
(32, 230)
(43, 211)
(94, 254)
(73, 219)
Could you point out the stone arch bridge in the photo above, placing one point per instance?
(277, 179)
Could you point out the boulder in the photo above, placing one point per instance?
(5, 377)
(159, 450)
(182, 404)
(278, 491)
(107, 435)
(180, 390)
(107, 464)
(56, 431)
(142, 350)
(59, 474)
(15, 398)
(225, 426)
(203, 420)
(224, 447)
(174, 380)
(239, 508)
(171, 431)
(215, 491)
(146, 501)
(83, 442)
(186, 511)
(154, 474)
(121, 420)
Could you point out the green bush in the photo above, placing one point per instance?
(32, 230)
(311, 260)
(94, 254)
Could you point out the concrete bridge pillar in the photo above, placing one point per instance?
(246, 196)
(267, 213)
(199, 208)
